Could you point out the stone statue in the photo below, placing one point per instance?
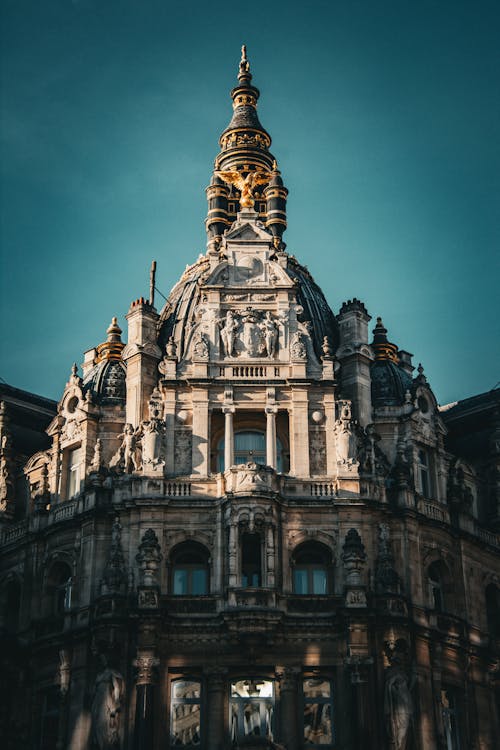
(127, 457)
(171, 348)
(106, 708)
(97, 458)
(228, 333)
(398, 706)
(270, 331)
(201, 348)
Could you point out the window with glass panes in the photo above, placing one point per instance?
(310, 570)
(190, 571)
(318, 712)
(185, 714)
(251, 709)
(73, 472)
(250, 446)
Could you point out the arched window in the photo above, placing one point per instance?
(493, 610)
(60, 583)
(189, 570)
(250, 446)
(437, 576)
(311, 569)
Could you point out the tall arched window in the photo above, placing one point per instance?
(311, 569)
(189, 570)
(250, 446)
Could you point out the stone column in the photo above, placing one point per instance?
(299, 433)
(200, 431)
(228, 437)
(146, 664)
(233, 536)
(271, 576)
(216, 683)
(271, 455)
(290, 720)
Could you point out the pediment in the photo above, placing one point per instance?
(248, 232)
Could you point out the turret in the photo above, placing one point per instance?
(355, 358)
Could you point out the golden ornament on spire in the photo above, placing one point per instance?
(245, 184)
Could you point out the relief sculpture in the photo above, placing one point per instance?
(251, 334)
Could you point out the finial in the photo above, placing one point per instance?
(421, 377)
(244, 64)
(114, 330)
(74, 370)
(152, 283)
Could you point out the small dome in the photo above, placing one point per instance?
(389, 383)
(106, 382)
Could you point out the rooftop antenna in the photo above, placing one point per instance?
(152, 277)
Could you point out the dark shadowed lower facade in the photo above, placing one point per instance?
(251, 525)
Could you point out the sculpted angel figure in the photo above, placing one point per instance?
(246, 184)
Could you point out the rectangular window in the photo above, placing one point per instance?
(318, 712)
(251, 709)
(185, 721)
(73, 472)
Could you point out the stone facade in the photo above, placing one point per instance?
(253, 526)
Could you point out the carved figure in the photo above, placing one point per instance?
(97, 458)
(246, 184)
(297, 346)
(251, 335)
(228, 333)
(171, 348)
(398, 706)
(128, 455)
(270, 334)
(201, 348)
(106, 707)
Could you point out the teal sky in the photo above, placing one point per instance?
(385, 119)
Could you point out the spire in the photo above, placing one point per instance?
(112, 347)
(245, 168)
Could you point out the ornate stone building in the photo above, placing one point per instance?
(252, 525)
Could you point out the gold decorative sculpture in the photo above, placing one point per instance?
(245, 185)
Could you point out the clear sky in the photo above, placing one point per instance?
(385, 118)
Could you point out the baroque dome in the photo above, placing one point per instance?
(180, 312)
